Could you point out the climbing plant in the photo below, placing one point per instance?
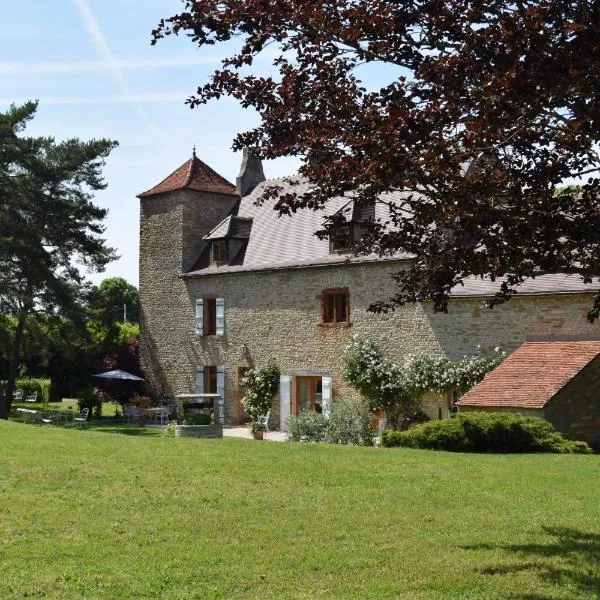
(397, 388)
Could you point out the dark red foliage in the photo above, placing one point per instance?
(489, 108)
(127, 358)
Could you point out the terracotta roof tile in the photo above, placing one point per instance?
(532, 375)
(193, 175)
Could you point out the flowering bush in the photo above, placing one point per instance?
(260, 385)
(385, 384)
(397, 389)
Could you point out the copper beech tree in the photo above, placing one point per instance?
(488, 110)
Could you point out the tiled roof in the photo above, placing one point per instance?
(552, 283)
(232, 227)
(283, 242)
(290, 242)
(531, 375)
(193, 175)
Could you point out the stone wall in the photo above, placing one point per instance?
(575, 409)
(277, 314)
(171, 229)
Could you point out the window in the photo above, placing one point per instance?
(340, 239)
(210, 379)
(218, 252)
(210, 316)
(335, 306)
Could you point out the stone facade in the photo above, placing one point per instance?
(575, 409)
(277, 313)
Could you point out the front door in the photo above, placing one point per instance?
(309, 391)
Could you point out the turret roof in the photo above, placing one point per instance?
(193, 175)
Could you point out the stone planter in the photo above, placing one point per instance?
(214, 430)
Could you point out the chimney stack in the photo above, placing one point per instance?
(251, 173)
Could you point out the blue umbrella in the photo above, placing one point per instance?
(118, 374)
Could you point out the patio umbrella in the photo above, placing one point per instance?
(118, 374)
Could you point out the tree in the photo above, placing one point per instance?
(489, 106)
(113, 294)
(49, 226)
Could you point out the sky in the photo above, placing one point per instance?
(92, 68)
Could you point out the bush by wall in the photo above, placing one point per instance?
(30, 385)
(308, 426)
(486, 432)
(349, 423)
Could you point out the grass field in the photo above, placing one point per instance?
(85, 514)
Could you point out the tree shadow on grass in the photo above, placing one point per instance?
(571, 558)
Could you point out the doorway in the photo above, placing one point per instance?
(308, 394)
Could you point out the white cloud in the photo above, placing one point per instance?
(91, 66)
(116, 99)
(101, 43)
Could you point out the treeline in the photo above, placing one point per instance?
(69, 350)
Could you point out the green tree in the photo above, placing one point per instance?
(111, 298)
(49, 226)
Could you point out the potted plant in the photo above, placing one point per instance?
(260, 385)
(258, 430)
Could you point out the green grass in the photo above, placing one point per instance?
(84, 514)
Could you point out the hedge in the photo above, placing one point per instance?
(30, 385)
(486, 432)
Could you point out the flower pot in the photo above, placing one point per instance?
(258, 435)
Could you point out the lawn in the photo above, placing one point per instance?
(86, 514)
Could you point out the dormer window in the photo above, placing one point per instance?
(218, 252)
(340, 239)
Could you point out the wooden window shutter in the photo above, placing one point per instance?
(199, 380)
(326, 395)
(285, 399)
(221, 391)
(220, 316)
(199, 316)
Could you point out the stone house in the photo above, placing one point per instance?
(225, 285)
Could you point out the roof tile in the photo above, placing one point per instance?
(531, 375)
(193, 175)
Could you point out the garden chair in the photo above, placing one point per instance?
(163, 415)
(81, 420)
(32, 397)
(128, 413)
(264, 420)
(18, 396)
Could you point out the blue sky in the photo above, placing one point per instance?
(91, 66)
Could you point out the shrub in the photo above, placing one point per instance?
(196, 419)
(88, 398)
(350, 423)
(486, 432)
(30, 385)
(308, 426)
(169, 430)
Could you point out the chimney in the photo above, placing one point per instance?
(251, 173)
